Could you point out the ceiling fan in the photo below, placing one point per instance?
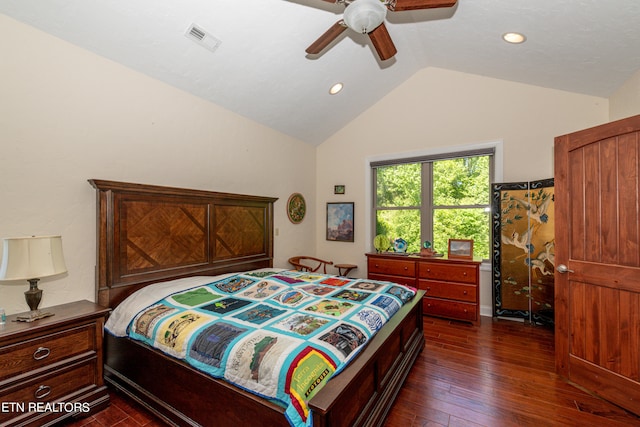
(367, 17)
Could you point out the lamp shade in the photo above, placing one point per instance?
(31, 257)
(364, 16)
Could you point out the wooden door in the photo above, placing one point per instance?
(598, 240)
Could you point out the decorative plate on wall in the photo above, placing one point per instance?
(296, 208)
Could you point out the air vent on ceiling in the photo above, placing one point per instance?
(203, 38)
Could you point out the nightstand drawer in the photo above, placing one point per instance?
(44, 350)
(396, 267)
(50, 387)
(449, 272)
(454, 291)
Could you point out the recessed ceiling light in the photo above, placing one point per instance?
(514, 38)
(335, 88)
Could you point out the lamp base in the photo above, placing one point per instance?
(33, 295)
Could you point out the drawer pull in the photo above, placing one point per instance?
(406, 268)
(41, 353)
(464, 274)
(464, 292)
(42, 392)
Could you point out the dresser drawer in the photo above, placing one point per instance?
(450, 309)
(449, 272)
(49, 387)
(403, 280)
(396, 267)
(47, 349)
(449, 290)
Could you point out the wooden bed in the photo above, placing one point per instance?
(147, 234)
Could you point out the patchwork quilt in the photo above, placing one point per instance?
(279, 334)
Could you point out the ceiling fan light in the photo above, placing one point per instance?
(364, 16)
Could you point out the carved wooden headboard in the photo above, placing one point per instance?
(148, 234)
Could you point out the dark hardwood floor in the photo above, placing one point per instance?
(499, 373)
(122, 412)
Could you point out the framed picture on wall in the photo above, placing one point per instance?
(461, 249)
(340, 222)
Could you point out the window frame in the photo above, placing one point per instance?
(492, 149)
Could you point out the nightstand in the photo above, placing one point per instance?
(51, 369)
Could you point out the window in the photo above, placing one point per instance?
(435, 198)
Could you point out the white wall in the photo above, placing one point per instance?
(625, 102)
(438, 108)
(67, 115)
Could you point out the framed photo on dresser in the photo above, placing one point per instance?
(460, 248)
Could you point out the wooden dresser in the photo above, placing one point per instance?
(451, 285)
(51, 369)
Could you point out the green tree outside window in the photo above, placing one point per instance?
(435, 200)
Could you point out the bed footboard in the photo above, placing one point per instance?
(363, 394)
(179, 394)
(360, 396)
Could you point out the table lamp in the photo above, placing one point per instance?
(32, 258)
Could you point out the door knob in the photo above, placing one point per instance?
(563, 269)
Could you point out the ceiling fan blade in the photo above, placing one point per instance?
(399, 5)
(325, 40)
(382, 42)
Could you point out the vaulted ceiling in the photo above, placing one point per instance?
(260, 69)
